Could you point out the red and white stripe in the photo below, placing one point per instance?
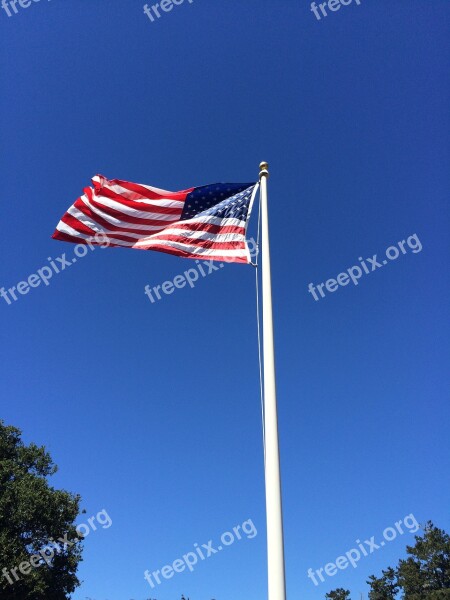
(146, 218)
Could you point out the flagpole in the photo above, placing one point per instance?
(275, 544)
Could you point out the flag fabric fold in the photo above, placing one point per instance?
(201, 222)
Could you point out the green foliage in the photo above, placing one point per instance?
(385, 587)
(32, 513)
(423, 575)
(339, 594)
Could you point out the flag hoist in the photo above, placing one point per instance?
(274, 515)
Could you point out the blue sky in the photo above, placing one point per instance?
(152, 411)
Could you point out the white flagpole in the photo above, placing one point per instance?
(275, 544)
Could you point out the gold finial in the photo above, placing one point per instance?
(263, 169)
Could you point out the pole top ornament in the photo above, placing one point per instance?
(263, 169)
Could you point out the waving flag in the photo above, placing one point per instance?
(203, 222)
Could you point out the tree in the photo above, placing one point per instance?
(423, 575)
(33, 517)
(339, 594)
(385, 587)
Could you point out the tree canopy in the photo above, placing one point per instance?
(423, 575)
(40, 548)
(339, 594)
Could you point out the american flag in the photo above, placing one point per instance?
(202, 222)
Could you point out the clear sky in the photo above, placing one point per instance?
(152, 411)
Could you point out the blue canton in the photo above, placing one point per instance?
(222, 200)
